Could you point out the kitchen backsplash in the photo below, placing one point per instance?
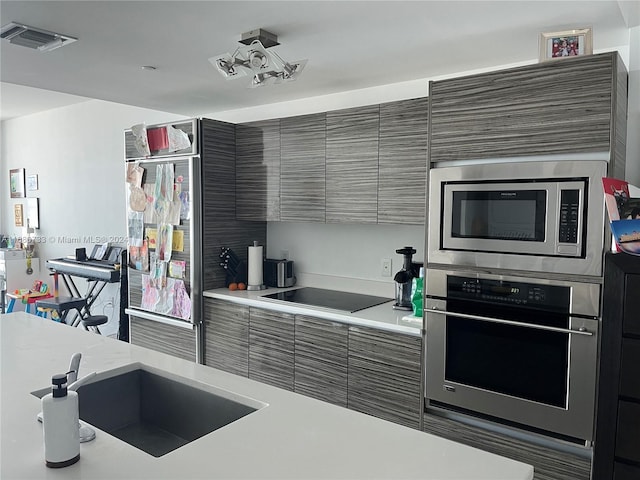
(344, 256)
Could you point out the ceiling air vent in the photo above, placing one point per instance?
(35, 38)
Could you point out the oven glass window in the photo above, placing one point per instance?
(519, 361)
(499, 215)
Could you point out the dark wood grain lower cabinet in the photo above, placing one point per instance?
(226, 336)
(161, 337)
(321, 359)
(617, 437)
(271, 347)
(384, 375)
(548, 463)
(622, 471)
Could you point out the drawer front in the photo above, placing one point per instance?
(628, 436)
(548, 463)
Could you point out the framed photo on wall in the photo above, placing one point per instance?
(18, 215)
(16, 182)
(32, 182)
(33, 214)
(566, 44)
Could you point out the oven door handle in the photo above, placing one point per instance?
(580, 331)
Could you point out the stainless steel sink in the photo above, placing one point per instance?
(155, 411)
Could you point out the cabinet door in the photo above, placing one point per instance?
(226, 336)
(628, 433)
(549, 463)
(258, 171)
(402, 175)
(352, 165)
(321, 359)
(631, 319)
(177, 341)
(547, 108)
(384, 375)
(271, 347)
(302, 168)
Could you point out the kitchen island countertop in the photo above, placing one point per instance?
(381, 316)
(292, 437)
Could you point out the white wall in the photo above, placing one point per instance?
(77, 153)
(633, 116)
(344, 256)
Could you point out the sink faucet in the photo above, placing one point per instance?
(74, 366)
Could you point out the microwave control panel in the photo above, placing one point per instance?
(569, 208)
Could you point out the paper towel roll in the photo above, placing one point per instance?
(255, 266)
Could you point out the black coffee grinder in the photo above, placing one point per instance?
(404, 279)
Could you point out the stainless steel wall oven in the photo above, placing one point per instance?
(514, 349)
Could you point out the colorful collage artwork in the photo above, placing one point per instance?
(624, 215)
(155, 211)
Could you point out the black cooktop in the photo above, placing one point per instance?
(318, 297)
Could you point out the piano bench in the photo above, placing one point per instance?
(93, 321)
(62, 305)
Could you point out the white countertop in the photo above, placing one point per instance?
(381, 316)
(293, 437)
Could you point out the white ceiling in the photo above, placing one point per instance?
(349, 45)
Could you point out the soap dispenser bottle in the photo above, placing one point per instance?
(60, 422)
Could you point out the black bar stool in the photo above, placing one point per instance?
(63, 305)
(93, 321)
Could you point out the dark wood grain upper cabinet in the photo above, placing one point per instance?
(560, 107)
(402, 174)
(352, 165)
(302, 168)
(258, 171)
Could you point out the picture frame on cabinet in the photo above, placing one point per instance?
(16, 182)
(565, 44)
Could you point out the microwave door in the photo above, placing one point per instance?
(515, 219)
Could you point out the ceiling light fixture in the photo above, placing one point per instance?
(267, 67)
(36, 38)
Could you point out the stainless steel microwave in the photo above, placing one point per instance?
(528, 216)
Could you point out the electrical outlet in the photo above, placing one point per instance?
(385, 267)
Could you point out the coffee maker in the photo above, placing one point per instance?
(404, 280)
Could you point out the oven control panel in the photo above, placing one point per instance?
(507, 292)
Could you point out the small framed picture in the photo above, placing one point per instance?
(16, 182)
(32, 182)
(33, 213)
(18, 215)
(569, 43)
